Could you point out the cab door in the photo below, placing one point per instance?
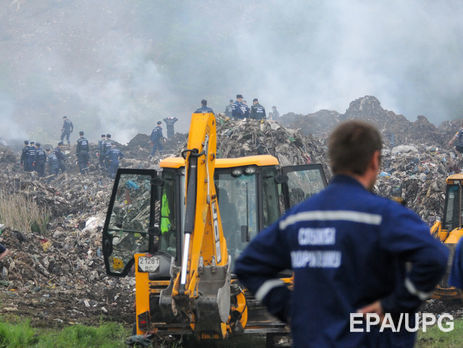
(301, 182)
(131, 224)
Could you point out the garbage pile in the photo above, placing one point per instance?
(396, 129)
(60, 273)
(253, 137)
(417, 174)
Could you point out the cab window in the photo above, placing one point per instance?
(168, 228)
(238, 209)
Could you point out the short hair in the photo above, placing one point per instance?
(37, 144)
(204, 102)
(60, 143)
(159, 122)
(26, 142)
(108, 135)
(255, 99)
(103, 135)
(351, 146)
(81, 132)
(238, 96)
(65, 117)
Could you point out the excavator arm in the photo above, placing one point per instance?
(200, 289)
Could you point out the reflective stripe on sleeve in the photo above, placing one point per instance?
(414, 291)
(266, 287)
(330, 215)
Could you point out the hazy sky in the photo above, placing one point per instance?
(119, 66)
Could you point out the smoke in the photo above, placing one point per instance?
(120, 66)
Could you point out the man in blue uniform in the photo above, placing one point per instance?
(40, 160)
(240, 109)
(53, 167)
(170, 122)
(67, 129)
(30, 157)
(156, 138)
(351, 252)
(24, 155)
(257, 110)
(60, 156)
(82, 152)
(114, 155)
(204, 108)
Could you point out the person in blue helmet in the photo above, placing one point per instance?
(351, 252)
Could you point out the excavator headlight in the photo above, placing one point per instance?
(250, 170)
(237, 172)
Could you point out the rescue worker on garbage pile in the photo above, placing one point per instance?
(106, 147)
(24, 155)
(101, 151)
(113, 155)
(40, 160)
(156, 139)
(170, 121)
(352, 253)
(53, 166)
(257, 110)
(458, 141)
(82, 153)
(30, 157)
(67, 129)
(204, 108)
(229, 109)
(60, 156)
(238, 108)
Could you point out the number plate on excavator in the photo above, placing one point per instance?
(148, 264)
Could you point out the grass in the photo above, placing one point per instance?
(434, 338)
(21, 213)
(23, 335)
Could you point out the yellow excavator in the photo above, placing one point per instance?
(449, 230)
(180, 229)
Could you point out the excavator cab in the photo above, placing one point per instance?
(449, 231)
(144, 230)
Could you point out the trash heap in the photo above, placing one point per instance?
(59, 273)
(253, 137)
(396, 129)
(417, 174)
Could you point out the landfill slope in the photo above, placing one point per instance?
(396, 128)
